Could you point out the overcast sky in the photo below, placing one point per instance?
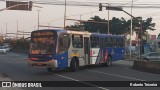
(53, 14)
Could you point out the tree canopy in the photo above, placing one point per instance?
(116, 25)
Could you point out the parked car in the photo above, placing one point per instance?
(7, 47)
(3, 50)
(151, 56)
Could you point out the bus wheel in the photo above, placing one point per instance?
(108, 61)
(49, 69)
(74, 65)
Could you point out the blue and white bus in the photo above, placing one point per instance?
(58, 49)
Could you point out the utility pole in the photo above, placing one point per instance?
(6, 31)
(48, 25)
(17, 31)
(80, 22)
(130, 51)
(80, 16)
(108, 21)
(141, 28)
(100, 9)
(65, 15)
(38, 20)
(23, 34)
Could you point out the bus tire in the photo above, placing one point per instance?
(49, 69)
(108, 61)
(145, 59)
(74, 66)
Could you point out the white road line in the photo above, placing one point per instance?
(12, 54)
(116, 75)
(157, 75)
(11, 61)
(79, 81)
(15, 54)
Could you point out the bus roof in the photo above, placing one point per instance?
(57, 30)
(62, 30)
(80, 32)
(106, 35)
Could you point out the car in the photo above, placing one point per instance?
(7, 47)
(151, 56)
(3, 50)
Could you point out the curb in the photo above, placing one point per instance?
(4, 78)
(152, 67)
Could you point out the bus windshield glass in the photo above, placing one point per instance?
(43, 43)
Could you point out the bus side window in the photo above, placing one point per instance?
(111, 42)
(108, 42)
(122, 42)
(77, 41)
(63, 43)
(116, 42)
(97, 42)
(94, 41)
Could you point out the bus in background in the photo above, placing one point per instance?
(58, 49)
(106, 48)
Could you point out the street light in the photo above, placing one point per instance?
(115, 9)
(100, 9)
(38, 19)
(6, 30)
(120, 9)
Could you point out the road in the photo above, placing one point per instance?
(14, 65)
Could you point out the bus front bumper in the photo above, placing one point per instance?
(50, 63)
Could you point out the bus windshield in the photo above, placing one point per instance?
(42, 45)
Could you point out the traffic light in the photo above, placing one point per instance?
(13, 5)
(100, 6)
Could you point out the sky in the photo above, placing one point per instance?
(53, 15)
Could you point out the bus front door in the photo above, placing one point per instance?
(86, 50)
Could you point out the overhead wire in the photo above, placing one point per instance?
(69, 16)
(93, 4)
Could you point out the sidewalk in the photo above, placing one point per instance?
(4, 77)
(130, 59)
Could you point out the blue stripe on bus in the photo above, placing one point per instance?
(62, 59)
(117, 55)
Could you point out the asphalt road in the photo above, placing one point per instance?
(14, 65)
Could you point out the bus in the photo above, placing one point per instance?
(59, 49)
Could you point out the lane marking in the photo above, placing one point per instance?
(148, 73)
(144, 72)
(80, 81)
(11, 61)
(116, 75)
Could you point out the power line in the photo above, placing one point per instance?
(95, 4)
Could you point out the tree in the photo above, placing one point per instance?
(117, 26)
